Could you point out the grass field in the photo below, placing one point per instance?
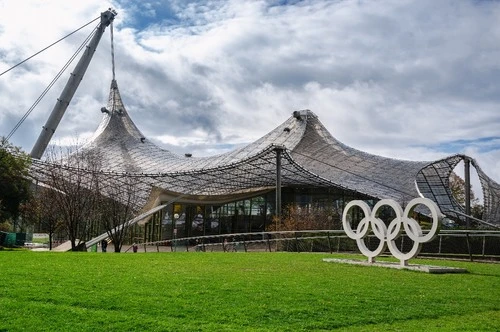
(43, 291)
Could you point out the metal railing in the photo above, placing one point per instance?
(469, 244)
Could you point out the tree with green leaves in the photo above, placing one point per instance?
(457, 186)
(39, 212)
(14, 181)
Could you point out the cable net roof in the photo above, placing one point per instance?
(310, 157)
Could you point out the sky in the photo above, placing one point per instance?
(406, 79)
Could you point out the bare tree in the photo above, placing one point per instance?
(72, 181)
(296, 217)
(87, 201)
(116, 207)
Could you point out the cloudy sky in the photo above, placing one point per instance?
(415, 80)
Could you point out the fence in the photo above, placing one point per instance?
(449, 243)
(12, 239)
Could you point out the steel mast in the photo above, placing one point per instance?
(69, 90)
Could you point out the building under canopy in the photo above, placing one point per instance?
(308, 161)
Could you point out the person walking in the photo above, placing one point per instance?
(104, 245)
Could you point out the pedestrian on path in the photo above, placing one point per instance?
(104, 245)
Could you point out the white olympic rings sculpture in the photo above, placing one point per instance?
(389, 234)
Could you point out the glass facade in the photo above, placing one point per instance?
(244, 216)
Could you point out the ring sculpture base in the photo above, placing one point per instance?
(391, 265)
(387, 235)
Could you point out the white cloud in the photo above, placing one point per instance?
(399, 78)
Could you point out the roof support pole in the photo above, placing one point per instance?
(70, 88)
(278, 150)
(467, 190)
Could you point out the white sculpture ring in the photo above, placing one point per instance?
(388, 234)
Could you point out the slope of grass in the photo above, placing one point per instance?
(43, 291)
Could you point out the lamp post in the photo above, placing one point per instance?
(467, 191)
(174, 223)
(279, 151)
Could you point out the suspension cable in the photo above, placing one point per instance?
(51, 84)
(20, 63)
(112, 50)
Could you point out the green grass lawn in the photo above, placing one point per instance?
(43, 291)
